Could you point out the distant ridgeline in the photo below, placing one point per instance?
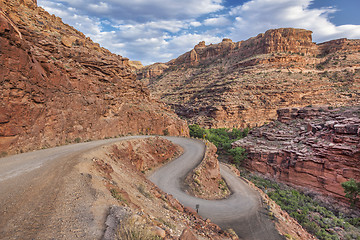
(241, 84)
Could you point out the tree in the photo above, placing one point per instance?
(238, 154)
(196, 131)
(352, 191)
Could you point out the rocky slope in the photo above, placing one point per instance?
(57, 86)
(239, 84)
(115, 170)
(316, 148)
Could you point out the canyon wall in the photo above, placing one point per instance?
(316, 148)
(57, 86)
(240, 84)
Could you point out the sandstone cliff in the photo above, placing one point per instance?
(240, 84)
(316, 148)
(58, 86)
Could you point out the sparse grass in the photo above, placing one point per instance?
(3, 154)
(129, 230)
(117, 195)
(142, 190)
(222, 185)
(169, 225)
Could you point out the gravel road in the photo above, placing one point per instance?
(42, 196)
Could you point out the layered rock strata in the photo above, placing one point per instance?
(316, 148)
(57, 86)
(240, 84)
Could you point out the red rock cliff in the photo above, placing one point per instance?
(58, 86)
(315, 148)
(243, 84)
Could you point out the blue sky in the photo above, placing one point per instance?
(160, 30)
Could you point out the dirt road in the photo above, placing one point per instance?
(44, 196)
(242, 211)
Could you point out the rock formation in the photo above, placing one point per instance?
(57, 86)
(145, 154)
(316, 148)
(205, 180)
(240, 84)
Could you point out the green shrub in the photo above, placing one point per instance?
(238, 154)
(222, 139)
(196, 131)
(314, 217)
(166, 132)
(352, 191)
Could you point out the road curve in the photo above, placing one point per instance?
(241, 211)
(40, 191)
(43, 196)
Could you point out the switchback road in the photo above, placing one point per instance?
(242, 210)
(40, 192)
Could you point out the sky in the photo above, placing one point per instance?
(159, 30)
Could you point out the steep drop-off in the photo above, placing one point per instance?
(316, 148)
(57, 86)
(239, 84)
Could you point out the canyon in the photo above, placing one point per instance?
(242, 84)
(57, 86)
(316, 148)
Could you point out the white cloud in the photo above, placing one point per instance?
(217, 21)
(195, 24)
(143, 10)
(159, 30)
(258, 16)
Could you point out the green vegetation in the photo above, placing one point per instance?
(222, 139)
(117, 195)
(314, 217)
(238, 155)
(352, 191)
(166, 132)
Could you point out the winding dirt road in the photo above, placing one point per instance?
(242, 210)
(42, 196)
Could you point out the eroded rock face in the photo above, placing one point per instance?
(205, 180)
(316, 148)
(145, 154)
(58, 86)
(240, 84)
